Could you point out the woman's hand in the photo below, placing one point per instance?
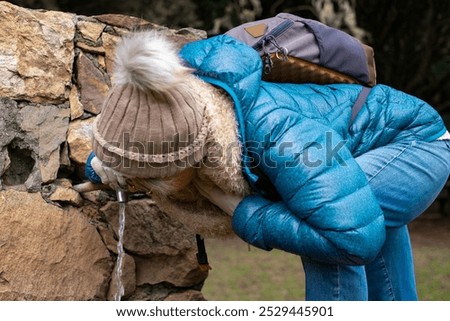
(227, 202)
(108, 175)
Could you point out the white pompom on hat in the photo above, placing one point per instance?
(152, 122)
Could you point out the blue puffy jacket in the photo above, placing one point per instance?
(299, 136)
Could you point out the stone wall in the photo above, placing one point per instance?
(57, 244)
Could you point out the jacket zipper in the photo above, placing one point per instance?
(276, 32)
(271, 38)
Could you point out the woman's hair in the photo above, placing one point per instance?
(164, 186)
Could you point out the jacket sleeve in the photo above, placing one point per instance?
(89, 171)
(328, 211)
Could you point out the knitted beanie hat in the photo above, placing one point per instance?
(152, 123)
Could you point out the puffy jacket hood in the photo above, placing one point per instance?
(233, 66)
(238, 70)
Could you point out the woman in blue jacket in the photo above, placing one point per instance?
(338, 191)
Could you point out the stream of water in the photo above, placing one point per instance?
(120, 253)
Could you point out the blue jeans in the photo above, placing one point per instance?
(406, 178)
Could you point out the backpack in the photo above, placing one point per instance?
(299, 50)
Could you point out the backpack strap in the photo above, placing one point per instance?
(362, 97)
(202, 257)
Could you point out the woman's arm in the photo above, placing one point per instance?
(327, 212)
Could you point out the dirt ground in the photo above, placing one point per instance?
(431, 230)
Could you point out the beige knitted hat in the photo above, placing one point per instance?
(152, 123)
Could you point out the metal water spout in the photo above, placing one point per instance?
(121, 196)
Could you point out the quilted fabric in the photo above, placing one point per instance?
(299, 136)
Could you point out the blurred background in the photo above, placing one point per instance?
(411, 40)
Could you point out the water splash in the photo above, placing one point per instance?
(120, 253)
